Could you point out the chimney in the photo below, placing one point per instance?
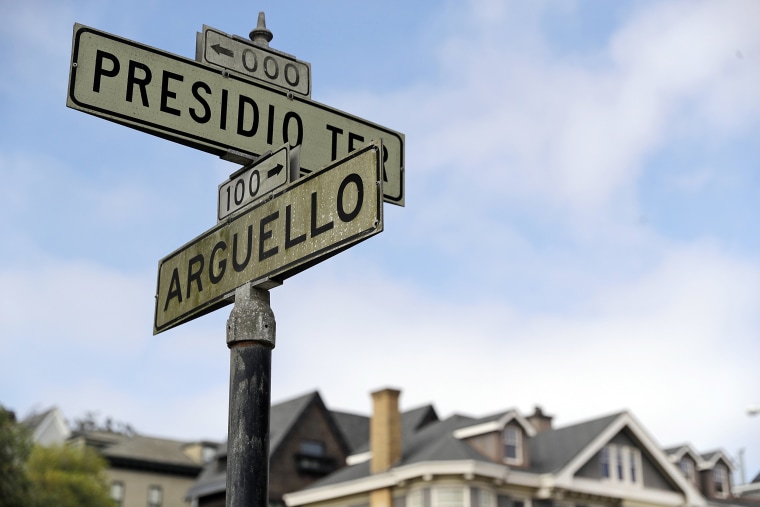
(539, 420)
(385, 430)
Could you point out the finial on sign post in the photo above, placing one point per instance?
(261, 35)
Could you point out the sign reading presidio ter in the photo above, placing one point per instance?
(314, 218)
(215, 110)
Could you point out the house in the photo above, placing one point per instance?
(48, 428)
(305, 444)
(506, 459)
(145, 470)
(750, 491)
(710, 472)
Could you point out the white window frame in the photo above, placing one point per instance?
(623, 459)
(415, 498)
(687, 467)
(486, 496)
(437, 496)
(720, 476)
(510, 433)
(157, 490)
(117, 486)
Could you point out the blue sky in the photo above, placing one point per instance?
(580, 228)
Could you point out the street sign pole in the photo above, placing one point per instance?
(251, 331)
(240, 101)
(250, 338)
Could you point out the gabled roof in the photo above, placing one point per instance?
(556, 457)
(48, 427)
(495, 422)
(412, 421)
(282, 419)
(283, 416)
(676, 452)
(354, 427)
(609, 427)
(151, 453)
(710, 459)
(551, 451)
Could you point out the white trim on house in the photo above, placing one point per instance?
(682, 450)
(543, 485)
(355, 459)
(704, 464)
(496, 425)
(566, 477)
(627, 491)
(395, 476)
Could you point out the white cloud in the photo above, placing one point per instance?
(512, 122)
(76, 303)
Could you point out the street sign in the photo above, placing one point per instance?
(219, 112)
(253, 181)
(312, 219)
(259, 62)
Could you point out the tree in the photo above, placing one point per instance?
(15, 445)
(67, 476)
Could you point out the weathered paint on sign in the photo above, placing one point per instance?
(312, 219)
(200, 106)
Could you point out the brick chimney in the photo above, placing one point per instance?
(384, 440)
(385, 430)
(539, 420)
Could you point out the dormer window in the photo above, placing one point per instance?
(687, 468)
(312, 458)
(720, 479)
(512, 445)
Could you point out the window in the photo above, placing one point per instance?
(627, 462)
(481, 498)
(620, 466)
(721, 482)
(312, 448)
(415, 498)
(512, 445)
(117, 492)
(687, 467)
(448, 496)
(604, 462)
(312, 458)
(155, 496)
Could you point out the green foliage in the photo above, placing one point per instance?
(15, 445)
(67, 477)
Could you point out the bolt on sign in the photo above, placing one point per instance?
(215, 110)
(312, 219)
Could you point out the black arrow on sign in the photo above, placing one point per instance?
(274, 171)
(222, 50)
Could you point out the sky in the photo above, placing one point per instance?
(580, 229)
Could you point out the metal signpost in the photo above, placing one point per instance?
(250, 104)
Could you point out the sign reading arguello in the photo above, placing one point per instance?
(312, 219)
